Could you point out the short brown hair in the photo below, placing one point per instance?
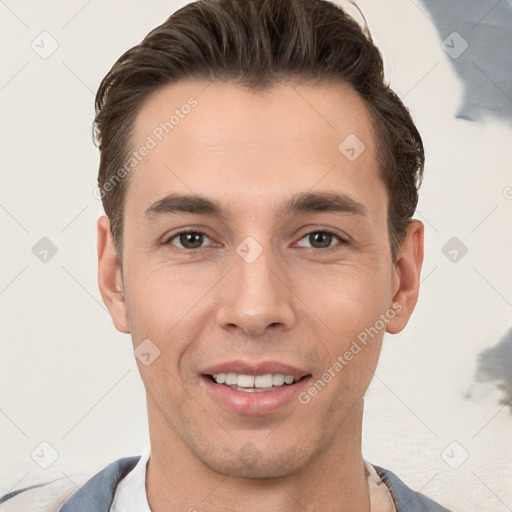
(257, 43)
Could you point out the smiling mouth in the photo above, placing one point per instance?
(255, 383)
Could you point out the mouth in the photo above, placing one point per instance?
(253, 388)
(255, 383)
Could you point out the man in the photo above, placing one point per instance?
(259, 180)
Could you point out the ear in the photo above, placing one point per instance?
(406, 280)
(109, 276)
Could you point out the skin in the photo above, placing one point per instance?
(299, 302)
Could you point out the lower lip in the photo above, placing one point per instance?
(254, 403)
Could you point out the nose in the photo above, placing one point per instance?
(257, 297)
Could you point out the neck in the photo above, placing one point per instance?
(334, 481)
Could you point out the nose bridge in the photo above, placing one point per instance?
(256, 296)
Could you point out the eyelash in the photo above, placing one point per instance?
(342, 241)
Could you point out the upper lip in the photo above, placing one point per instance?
(254, 368)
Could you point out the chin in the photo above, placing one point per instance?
(249, 462)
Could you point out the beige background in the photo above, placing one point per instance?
(69, 379)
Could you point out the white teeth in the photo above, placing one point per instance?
(230, 379)
(245, 381)
(266, 381)
(278, 379)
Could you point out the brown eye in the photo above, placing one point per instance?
(188, 240)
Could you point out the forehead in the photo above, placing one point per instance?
(287, 138)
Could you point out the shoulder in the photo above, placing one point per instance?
(41, 497)
(63, 495)
(405, 498)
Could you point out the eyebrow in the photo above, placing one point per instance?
(306, 202)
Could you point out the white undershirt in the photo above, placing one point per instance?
(131, 492)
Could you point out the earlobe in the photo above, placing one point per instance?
(407, 276)
(109, 276)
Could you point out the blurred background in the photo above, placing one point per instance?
(439, 410)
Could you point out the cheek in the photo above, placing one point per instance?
(348, 299)
(161, 297)
(165, 312)
(350, 333)
(169, 307)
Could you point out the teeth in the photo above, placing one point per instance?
(230, 378)
(266, 381)
(245, 381)
(279, 379)
(221, 378)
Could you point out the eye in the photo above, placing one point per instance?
(320, 239)
(188, 239)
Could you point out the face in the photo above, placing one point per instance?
(255, 249)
